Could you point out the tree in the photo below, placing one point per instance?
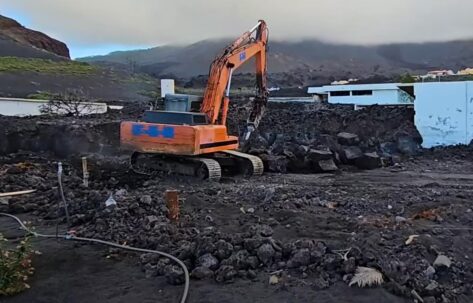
(71, 103)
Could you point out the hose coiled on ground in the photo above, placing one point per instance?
(89, 240)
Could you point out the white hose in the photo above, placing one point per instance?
(61, 192)
(74, 238)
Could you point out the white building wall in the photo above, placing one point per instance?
(469, 104)
(27, 107)
(167, 87)
(381, 97)
(442, 114)
(18, 108)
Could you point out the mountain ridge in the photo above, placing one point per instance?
(19, 41)
(311, 56)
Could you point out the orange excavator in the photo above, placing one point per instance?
(187, 141)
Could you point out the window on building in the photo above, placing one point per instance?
(340, 93)
(362, 93)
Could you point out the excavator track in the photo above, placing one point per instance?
(149, 164)
(254, 165)
(210, 168)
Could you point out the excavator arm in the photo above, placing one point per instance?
(216, 96)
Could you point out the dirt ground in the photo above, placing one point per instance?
(410, 219)
(371, 212)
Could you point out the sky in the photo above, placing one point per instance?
(91, 27)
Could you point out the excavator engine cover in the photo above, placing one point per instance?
(175, 139)
(175, 118)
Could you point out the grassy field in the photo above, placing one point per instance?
(12, 64)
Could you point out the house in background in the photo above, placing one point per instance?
(366, 94)
(465, 72)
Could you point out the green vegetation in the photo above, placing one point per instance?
(12, 64)
(42, 95)
(15, 267)
(407, 79)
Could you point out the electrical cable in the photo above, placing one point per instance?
(90, 240)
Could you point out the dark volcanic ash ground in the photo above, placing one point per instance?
(307, 230)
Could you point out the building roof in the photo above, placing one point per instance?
(355, 87)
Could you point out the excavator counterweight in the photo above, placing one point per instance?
(197, 143)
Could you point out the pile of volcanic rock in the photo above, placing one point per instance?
(208, 252)
(315, 137)
(326, 153)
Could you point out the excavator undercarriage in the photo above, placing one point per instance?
(212, 167)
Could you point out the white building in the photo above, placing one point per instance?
(31, 107)
(443, 110)
(366, 94)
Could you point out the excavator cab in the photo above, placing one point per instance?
(190, 136)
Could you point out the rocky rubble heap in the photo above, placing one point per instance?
(292, 137)
(298, 232)
(320, 138)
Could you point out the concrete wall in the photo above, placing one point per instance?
(382, 97)
(444, 112)
(167, 87)
(29, 107)
(469, 100)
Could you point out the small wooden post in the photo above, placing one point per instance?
(172, 203)
(85, 172)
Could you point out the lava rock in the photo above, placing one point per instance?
(368, 161)
(350, 154)
(174, 275)
(223, 249)
(317, 155)
(252, 244)
(252, 262)
(325, 166)
(301, 151)
(318, 250)
(408, 146)
(429, 300)
(266, 253)
(238, 260)
(429, 272)
(300, 257)
(151, 219)
(146, 199)
(251, 274)
(150, 270)
(275, 164)
(149, 258)
(432, 286)
(265, 230)
(388, 149)
(201, 273)
(208, 261)
(348, 139)
(225, 274)
(400, 219)
(349, 266)
(442, 261)
(321, 283)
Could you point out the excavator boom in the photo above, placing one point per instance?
(236, 54)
